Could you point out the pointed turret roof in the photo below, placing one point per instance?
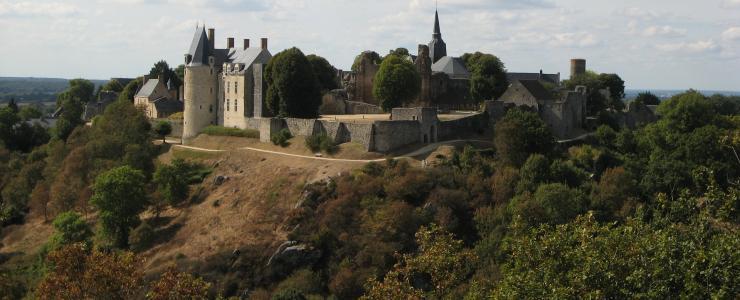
(436, 32)
(199, 48)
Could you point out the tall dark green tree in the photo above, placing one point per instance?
(488, 80)
(615, 84)
(324, 71)
(292, 87)
(161, 68)
(129, 91)
(120, 196)
(647, 98)
(112, 85)
(519, 134)
(396, 83)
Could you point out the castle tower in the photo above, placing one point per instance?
(423, 65)
(201, 85)
(577, 67)
(437, 46)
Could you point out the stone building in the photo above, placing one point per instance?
(562, 111)
(223, 86)
(445, 80)
(158, 100)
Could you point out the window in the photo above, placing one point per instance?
(228, 103)
(235, 105)
(210, 108)
(236, 86)
(228, 87)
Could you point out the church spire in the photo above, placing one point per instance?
(437, 32)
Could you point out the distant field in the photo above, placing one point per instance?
(33, 89)
(663, 94)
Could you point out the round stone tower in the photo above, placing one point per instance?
(201, 94)
(577, 67)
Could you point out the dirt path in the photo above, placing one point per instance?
(422, 151)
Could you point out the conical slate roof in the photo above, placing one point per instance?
(199, 48)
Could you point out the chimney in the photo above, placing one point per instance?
(264, 43)
(246, 44)
(212, 37)
(230, 43)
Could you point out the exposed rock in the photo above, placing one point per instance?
(219, 180)
(292, 255)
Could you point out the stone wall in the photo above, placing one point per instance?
(455, 129)
(360, 108)
(303, 127)
(391, 135)
(361, 133)
(335, 130)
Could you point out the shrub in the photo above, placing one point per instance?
(227, 131)
(178, 116)
(142, 237)
(281, 137)
(321, 142)
(288, 294)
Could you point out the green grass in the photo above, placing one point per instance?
(226, 131)
(188, 154)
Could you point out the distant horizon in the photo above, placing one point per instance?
(627, 88)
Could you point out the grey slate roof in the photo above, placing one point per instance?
(199, 48)
(248, 56)
(552, 78)
(148, 89)
(536, 89)
(452, 66)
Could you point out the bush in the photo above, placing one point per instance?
(288, 294)
(142, 237)
(321, 142)
(281, 138)
(227, 131)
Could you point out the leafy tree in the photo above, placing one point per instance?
(141, 237)
(180, 72)
(71, 102)
(442, 263)
(30, 112)
(161, 68)
(292, 87)
(163, 128)
(535, 171)
(129, 91)
(401, 52)
(374, 57)
(647, 98)
(172, 180)
(120, 196)
(488, 80)
(324, 71)
(615, 84)
(519, 134)
(70, 229)
(113, 86)
(178, 285)
(78, 273)
(8, 121)
(552, 203)
(396, 82)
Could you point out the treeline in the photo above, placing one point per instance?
(649, 213)
(28, 89)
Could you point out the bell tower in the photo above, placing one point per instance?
(437, 47)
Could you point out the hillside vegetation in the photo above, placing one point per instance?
(103, 213)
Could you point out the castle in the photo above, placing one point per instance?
(223, 86)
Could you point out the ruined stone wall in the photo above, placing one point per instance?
(391, 135)
(302, 127)
(361, 133)
(460, 128)
(359, 108)
(335, 130)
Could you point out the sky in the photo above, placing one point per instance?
(655, 44)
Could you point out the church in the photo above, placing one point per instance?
(445, 80)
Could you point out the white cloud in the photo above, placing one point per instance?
(730, 4)
(638, 13)
(574, 40)
(663, 31)
(731, 34)
(696, 47)
(32, 9)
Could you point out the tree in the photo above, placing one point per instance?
(12, 105)
(71, 102)
(401, 52)
(488, 76)
(129, 91)
(324, 71)
(519, 134)
(441, 264)
(178, 285)
(292, 87)
(69, 229)
(615, 84)
(396, 83)
(30, 112)
(161, 68)
(120, 196)
(172, 181)
(113, 86)
(163, 128)
(78, 273)
(81, 89)
(647, 98)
